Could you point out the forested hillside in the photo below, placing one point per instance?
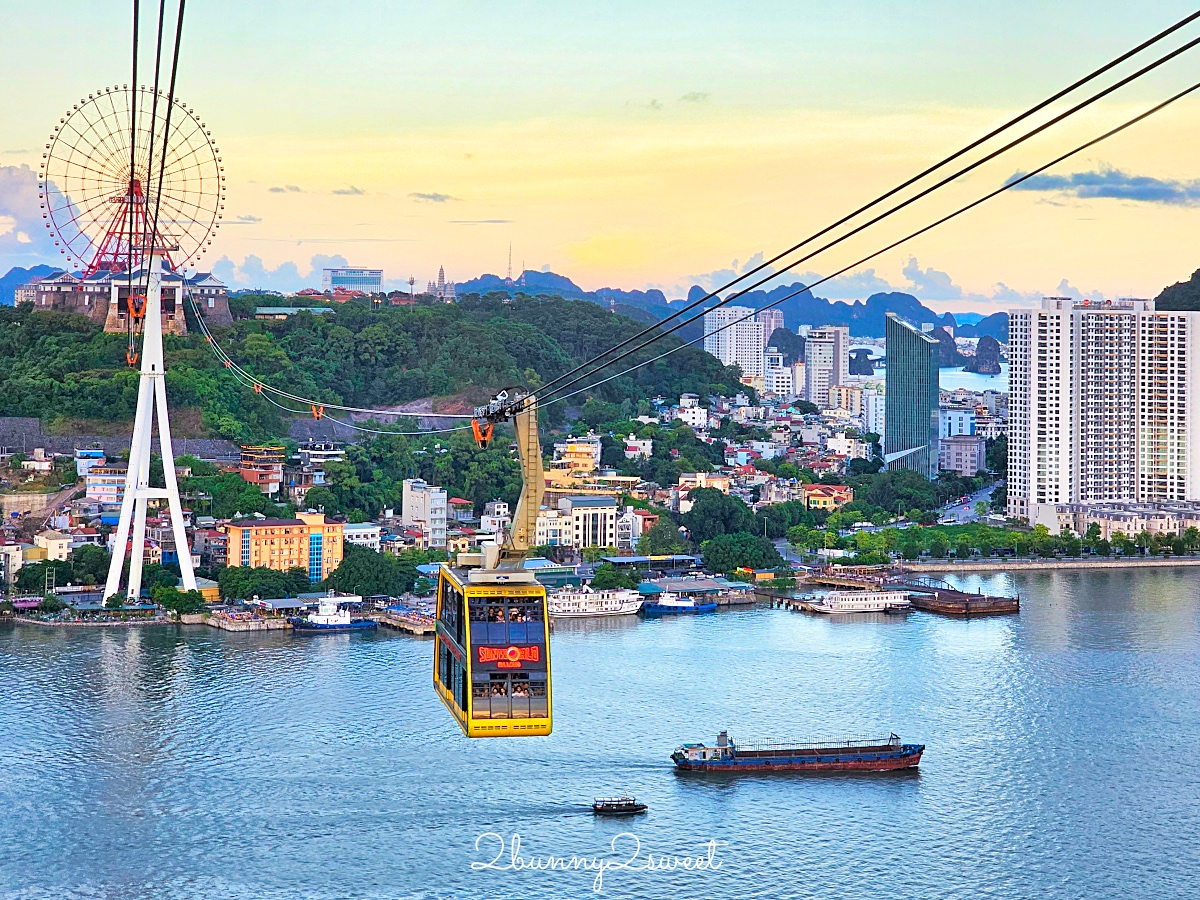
(61, 367)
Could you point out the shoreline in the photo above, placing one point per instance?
(1033, 565)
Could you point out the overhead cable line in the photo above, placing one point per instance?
(132, 169)
(247, 379)
(1005, 187)
(552, 386)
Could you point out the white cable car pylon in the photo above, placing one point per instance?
(152, 395)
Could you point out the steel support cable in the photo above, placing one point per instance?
(890, 193)
(162, 165)
(224, 356)
(1005, 187)
(153, 235)
(247, 379)
(132, 168)
(659, 332)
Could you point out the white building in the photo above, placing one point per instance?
(593, 520)
(1101, 406)
(874, 405)
(105, 484)
(365, 535)
(777, 378)
(955, 420)
(424, 507)
(638, 448)
(772, 320)
(733, 336)
(826, 362)
(691, 413)
(496, 517)
(553, 528)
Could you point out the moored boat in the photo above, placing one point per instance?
(870, 755)
(843, 602)
(585, 602)
(330, 617)
(617, 806)
(668, 604)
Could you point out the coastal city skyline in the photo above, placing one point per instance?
(396, 501)
(637, 177)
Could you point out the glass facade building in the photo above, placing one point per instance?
(369, 281)
(911, 419)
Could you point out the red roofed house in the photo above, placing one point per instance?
(827, 496)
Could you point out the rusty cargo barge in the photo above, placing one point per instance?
(871, 755)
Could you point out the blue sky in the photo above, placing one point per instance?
(636, 144)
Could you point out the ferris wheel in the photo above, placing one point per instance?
(115, 183)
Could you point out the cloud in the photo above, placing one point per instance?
(930, 285)
(350, 191)
(1112, 184)
(24, 239)
(480, 221)
(286, 189)
(431, 198)
(244, 220)
(253, 273)
(694, 97)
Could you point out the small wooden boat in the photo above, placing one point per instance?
(617, 806)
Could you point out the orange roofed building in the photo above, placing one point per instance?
(827, 496)
(308, 541)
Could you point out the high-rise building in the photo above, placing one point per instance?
(874, 404)
(911, 419)
(954, 420)
(772, 319)
(826, 362)
(1100, 405)
(308, 541)
(733, 341)
(369, 281)
(423, 506)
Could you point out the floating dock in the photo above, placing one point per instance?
(949, 602)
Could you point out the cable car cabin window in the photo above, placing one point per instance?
(538, 707)
(518, 694)
(479, 623)
(451, 610)
(481, 698)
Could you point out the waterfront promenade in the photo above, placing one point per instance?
(1038, 563)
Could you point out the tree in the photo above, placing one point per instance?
(32, 577)
(938, 546)
(177, 601)
(727, 552)
(981, 508)
(51, 604)
(714, 513)
(1102, 547)
(1191, 537)
(89, 564)
(609, 577)
(661, 540)
(245, 582)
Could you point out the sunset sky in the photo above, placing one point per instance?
(648, 144)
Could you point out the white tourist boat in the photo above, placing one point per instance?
(842, 602)
(586, 603)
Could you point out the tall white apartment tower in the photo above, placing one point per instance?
(735, 342)
(1100, 405)
(423, 506)
(826, 362)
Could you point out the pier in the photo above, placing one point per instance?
(414, 624)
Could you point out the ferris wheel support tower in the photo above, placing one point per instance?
(152, 394)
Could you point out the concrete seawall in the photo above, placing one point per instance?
(1033, 565)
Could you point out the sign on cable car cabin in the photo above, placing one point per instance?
(492, 653)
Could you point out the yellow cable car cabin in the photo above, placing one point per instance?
(492, 653)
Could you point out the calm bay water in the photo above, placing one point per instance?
(189, 763)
